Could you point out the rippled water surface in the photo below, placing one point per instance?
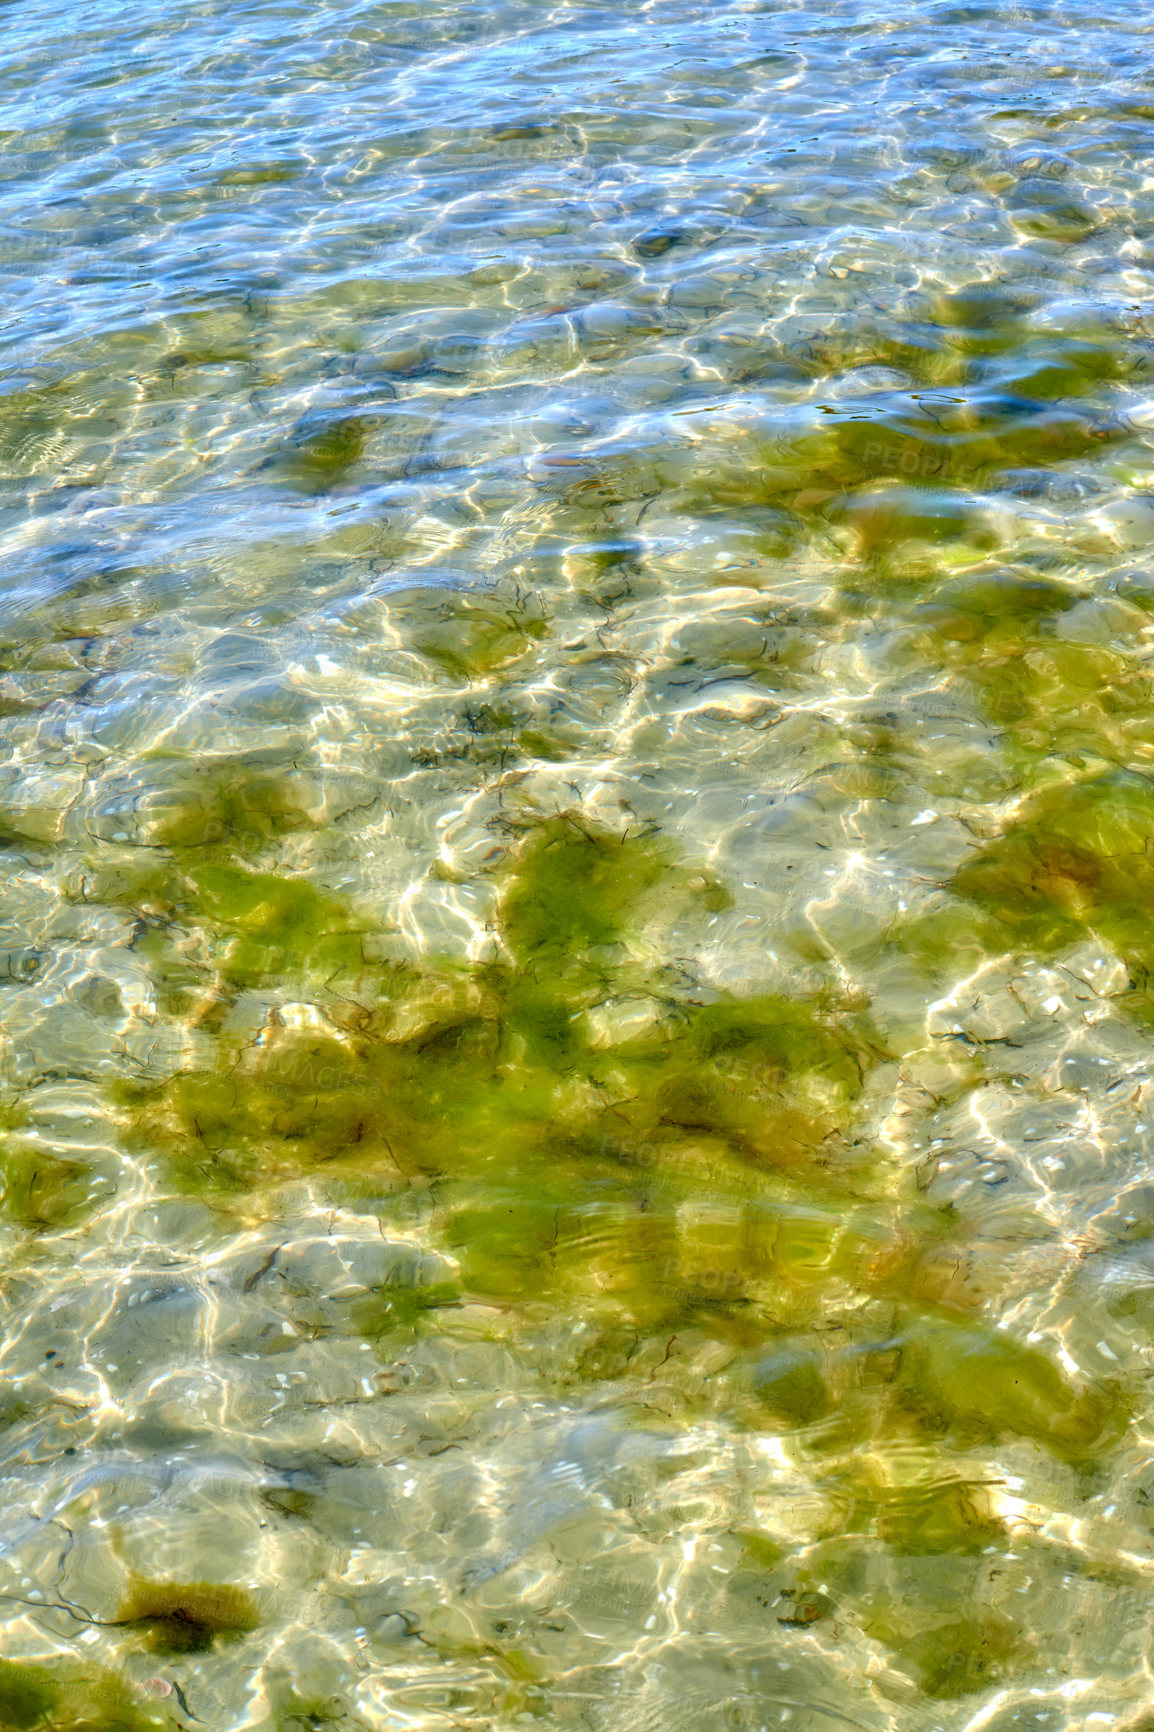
(577, 894)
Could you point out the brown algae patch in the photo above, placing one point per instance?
(187, 1617)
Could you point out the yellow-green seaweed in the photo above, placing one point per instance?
(468, 637)
(65, 1697)
(696, 1171)
(575, 886)
(923, 1520)
(1075, 858)
(322, 456)
(978, 1383)
(463, 1071)
(41, 1190)
(958, 1656)
(28, 1694)
(187, 1617)
(235, 805)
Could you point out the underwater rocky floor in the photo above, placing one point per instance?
(576, 868)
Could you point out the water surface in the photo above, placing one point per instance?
(577, 802)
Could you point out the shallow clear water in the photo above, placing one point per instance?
(577, 911)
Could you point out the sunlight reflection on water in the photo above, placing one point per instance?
(575, 788)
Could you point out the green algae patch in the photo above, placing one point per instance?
(574, 886)
(982, 318)
(260, 174)
(790, 1036)
(256, 928)
(323, 456)
(921, 1599)
(498, 1068)
(234, 805)
(994, 605)
(394, 1306)
(979, 1384)
(312, 1713)
(923, 1603)
(468, 636)
(41, 424)
(894, 477)
(493, 1078)
(1077, 857)
(1069, 366)
(568, 1140)
(41, 1191)
(891, 523)
(924, 1521)
(960, 1656)
(594, 1139)
(278, 926)
(883, 452)
(910, 1360)
(791, 1387)
(28, 1694)
(64, 1698)
(1044, 210)
(1073, 698)
(401, 1105)
(188, 1617)
(760, 1550)
(951, 940)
